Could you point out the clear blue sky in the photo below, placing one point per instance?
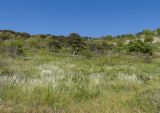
(86, 17)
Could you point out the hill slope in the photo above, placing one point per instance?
(74, 74)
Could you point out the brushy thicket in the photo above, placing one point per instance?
(16, 43)
(74, 74)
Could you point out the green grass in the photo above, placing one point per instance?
(61, 83)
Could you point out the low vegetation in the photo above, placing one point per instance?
(73, 74)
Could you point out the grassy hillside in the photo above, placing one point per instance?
(74, 74)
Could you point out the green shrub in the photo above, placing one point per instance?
(148, 35)
(108, 37)
(158, 31)
(54, 46)
(148, 39)
(139, 46)
(76, 42)
(119, 47)
(13, 48)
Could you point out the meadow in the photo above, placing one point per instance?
(48, 82)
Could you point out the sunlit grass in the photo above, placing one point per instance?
(48, 83)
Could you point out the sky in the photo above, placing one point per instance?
(87, 17)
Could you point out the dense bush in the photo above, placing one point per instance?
(139, 46)
(76, 43)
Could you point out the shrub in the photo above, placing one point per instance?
(36, 42)
(5, 36)
(158, 31)
(108, 37)
(139, 46)
(148, 38)
(13, 48)
(55, 46)
(76, 43)
(120, 46)
(148, 35)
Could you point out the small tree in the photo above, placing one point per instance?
(76, 43)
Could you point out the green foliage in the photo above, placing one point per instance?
(148, 35)
(13, 48)
(158, 31)
(55, 46)
(119, 46)
(11, 35)
(76, 43)
(6, 36)
(97, 80)
(128, 36)
(148, 32)
(139, 46)
(36, 42)
(148, 39)
(99, 46)
(108, 37)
